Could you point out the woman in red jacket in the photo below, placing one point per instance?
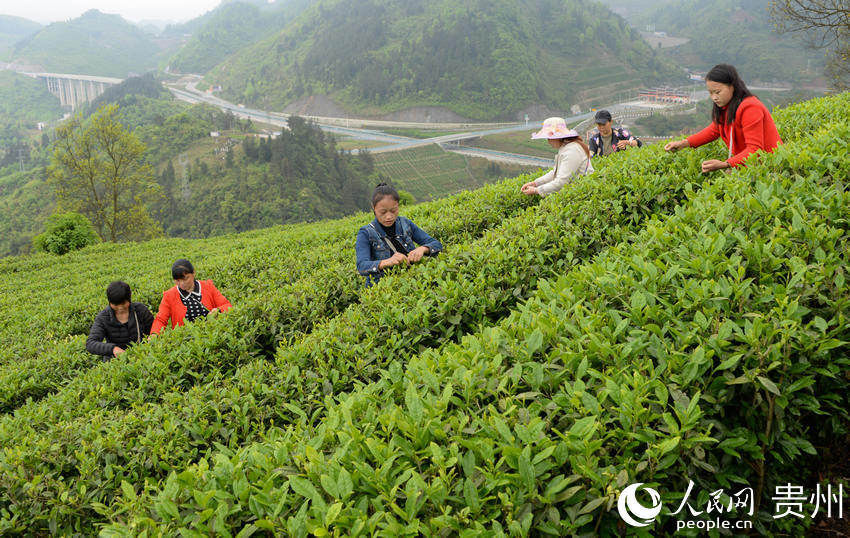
(189, 299)
(738, 117)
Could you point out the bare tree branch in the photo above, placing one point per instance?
(826, 23)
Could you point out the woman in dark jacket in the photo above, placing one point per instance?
(121, 324)
(390, 240)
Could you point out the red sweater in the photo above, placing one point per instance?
(172, 309)
(754, 131)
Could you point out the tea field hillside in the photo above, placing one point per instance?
(646, 324)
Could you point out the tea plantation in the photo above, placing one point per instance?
(646, 324)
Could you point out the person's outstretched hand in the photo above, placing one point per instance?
(117, 351)
(676, 145)
(713, 164)
(529, 189)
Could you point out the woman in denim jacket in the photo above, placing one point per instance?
(390, 240)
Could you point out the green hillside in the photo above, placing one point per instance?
(736, 32)
(13, 29)
(558, 350)
(25, 101)
(484, 60)
(431, 172)
(210, 185)
(634, 10)
(229, 28)
(193, 25)
(93, 44)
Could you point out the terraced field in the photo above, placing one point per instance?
(430, 172)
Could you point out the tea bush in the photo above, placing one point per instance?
(306, 270)
(311, 385)
(105, 426)
(630, 368)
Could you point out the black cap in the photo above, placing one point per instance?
(603, 116)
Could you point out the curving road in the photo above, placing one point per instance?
(394, 142)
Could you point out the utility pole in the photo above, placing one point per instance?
(21, 158)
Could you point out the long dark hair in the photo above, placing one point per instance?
(727, 74)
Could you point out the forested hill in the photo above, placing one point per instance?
(480, 59)
(24, 101)
(209, 185)
(193, 25)
(13, 29)
(739, 32)
(229, 28)
(93, 44)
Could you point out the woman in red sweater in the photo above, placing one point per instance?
(738, 117)
(188, 300)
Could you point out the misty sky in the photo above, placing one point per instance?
(45, 11)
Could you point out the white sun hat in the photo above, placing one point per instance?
(555, 128)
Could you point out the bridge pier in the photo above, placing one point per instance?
(75, 90)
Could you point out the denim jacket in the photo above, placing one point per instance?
(372, 246)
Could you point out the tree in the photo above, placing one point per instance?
(65, 232)
(827, 25)
(405, 198)
(99, 170)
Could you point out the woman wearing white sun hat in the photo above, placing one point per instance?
(573, 158)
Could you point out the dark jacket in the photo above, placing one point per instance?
(372, 246)
(595, 143)
(107, 327)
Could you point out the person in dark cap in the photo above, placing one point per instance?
(608, 139)
(390, 239)
(121, 324)
(189, 299)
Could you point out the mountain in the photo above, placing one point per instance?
(93, 44)
(633, 9)
(26, 100)
(210, 184)
(193, 25)
(13, 29)
(738, 32)
(229, 28)
(482, 59)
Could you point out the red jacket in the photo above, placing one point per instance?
(172, 309)
(754, 131)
